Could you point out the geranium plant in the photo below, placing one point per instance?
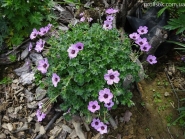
(85, 66)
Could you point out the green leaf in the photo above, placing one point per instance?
(35, 18)
(162, 11)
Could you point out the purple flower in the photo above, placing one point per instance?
(43, 65)
(142, 30)
(34, 34)
(105, 95)
(55, 79)
(93, 106)
(39, 45)
(109, 105)
(49, 26)
(30, 47)
(146, 47)
(141, 41)
(102, 128)
(81, 14)
(89, 19)
(112, 77)
(43, 30)
(111, 11)
(95, 123)
(107, 25)
(109, 18)
(151, 59)
(72, 51)
(40, 115)
(79, 45)
(134, 36)
(82, 19)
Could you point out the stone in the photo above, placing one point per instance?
(35, 57)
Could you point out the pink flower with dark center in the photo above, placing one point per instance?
(134, 36)
(111, 11)
(110, 18)
(89, 19)
(79, 45)
(39, 45)
(82, 19)
(72, 51)
(40, 115)
(55, 79)
(142, 30)
(105, 95)
(151, 59)
(109, 105)
(141, 42)
(146, 47)
(102, 128)
(34, 34)
(95, 123)
(112, 77)
(43, 65)
(107, 25)
(43, 30)
(30, 47)
(93, 106)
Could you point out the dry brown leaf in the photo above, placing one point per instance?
(127, 116)
(42, 130)
(37, 127)
(9, 126)
(73, 134)
(97, 136)
(66, 128)
(55, 131)
(78, 129)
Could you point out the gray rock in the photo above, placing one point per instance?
(26, 68)
(40, 93)
(35, 57)
(27, 78)
(24, 54)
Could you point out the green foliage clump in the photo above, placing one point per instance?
(82, 77)
(19, 17)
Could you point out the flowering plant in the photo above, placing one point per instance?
(87, 65)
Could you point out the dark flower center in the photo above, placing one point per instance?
(106, 96)
(73, 51)
(111, 76)
(93, 106)
(134, 37)
(108, 104)
(45, 65)
(96, 123)
(142, 30)
(144, 48)
(150, 60)
(141, 43)
(102, 127)
(56, 79)
(79, 47)
(107, 25)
